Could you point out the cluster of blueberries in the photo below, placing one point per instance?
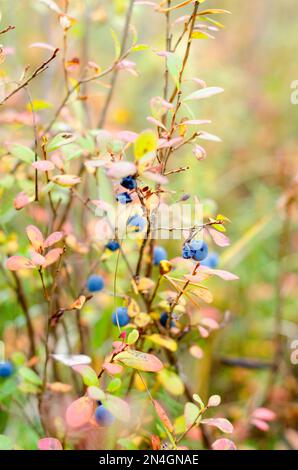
(129, 182)
(196, 249)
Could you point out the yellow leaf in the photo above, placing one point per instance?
(133, 308)
(145, 284)
(171, 382)
(163, 341)
(145, 143)
(142, 320)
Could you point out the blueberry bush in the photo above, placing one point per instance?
(119, 283)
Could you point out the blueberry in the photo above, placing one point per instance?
(123, 318)
(103, 416)
(113, 245)
(129, 182)
(199, 250)
(164, 319)
(137, 222)
(95, 283)
(124, 198)
(186, 252)
(159, 254)
(6, 369)
(211, 261)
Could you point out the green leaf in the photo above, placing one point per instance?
(114, 385)
(191, 413)
(199, 400)
(59, 140)
(118, 407)
(88, 375)
(7, 388)
(5, 443)
(174, 64)
(30, 376)
(204, 93)
(23, 153)
(139, 360)
(140, 47)
(117, 44)
(133, 337)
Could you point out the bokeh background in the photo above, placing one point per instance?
(248, 176)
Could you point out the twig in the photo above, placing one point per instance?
(8, 28)
(23, 302)
(37, 72)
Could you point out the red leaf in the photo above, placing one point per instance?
(163, 416)
(20, 201)
(223, 444)
(219, 238)
(52, 256)
(221, 423)
(260, 424)
(264, 414)
(155, 441)
(225, 275)
(43, 165)
(55, 237)
(19, 262)
(113, 368)
(35, 237)
(49, 443)
(79, 412)
(37, 259)
(121, 169)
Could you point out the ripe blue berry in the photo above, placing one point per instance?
(164, 319)
(186, 251)
(103, 416)
(199, 250)
(129, 182)
(122, 315)
(113, 245)
(123, 198)
(211, 261)
(137, 222)
(6, 369)
(159, 254)
(95, 283)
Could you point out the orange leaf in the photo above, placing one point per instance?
(163, 416)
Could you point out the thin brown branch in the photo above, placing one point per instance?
(37, 72)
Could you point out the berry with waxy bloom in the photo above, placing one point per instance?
(129, 182)
(120, 316)
(124, 198)
(103, 416)
(95, 283)
(113, 245)
(159, 254)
